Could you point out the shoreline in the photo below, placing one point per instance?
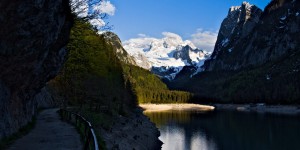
(255, 108)
(176, 107)
(260, 108)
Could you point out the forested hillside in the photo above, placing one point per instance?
(92, 73)
(150, 89)
(273, 83)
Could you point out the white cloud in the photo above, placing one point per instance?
(97, 22)
(142, 35)
(204, 39)
(105, 7)
(172, 35)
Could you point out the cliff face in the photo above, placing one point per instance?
(273, 36)
(33, 36)
(121, 53)
(260, 65)
(269, 38)
(239, 23)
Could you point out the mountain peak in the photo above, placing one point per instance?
(244, 6)
(166, 56)
(245, 3)
(237, 25)
(234, 8)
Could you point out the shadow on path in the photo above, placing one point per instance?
(50, 133)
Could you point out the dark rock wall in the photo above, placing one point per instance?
(239, 23)
(33, 35)
(276, 35)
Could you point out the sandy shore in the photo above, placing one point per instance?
(261, 108)
(168, 107)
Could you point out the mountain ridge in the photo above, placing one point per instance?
(272, 36)
(167, 56)
(263, 66)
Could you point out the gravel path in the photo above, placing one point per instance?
(50, 133)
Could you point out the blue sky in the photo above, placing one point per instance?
(152, 17)
(185, 18)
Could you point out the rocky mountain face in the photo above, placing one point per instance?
(118, 48)
(33, 36)
(165, 57)
(258, 37)
(258, 62)
(193, 58)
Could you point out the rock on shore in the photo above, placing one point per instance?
(133, 132)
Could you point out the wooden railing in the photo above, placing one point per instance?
(84, 126)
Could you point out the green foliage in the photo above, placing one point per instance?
(150, 89)
(92, 79)
(92, 75)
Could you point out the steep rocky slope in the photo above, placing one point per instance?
(33, 36)
(261, 38)
(259, 65)
(118, 48)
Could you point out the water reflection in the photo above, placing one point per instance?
(178, 133)
(182, 130)
(169, 117)
(200, 142)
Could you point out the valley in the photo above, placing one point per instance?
(211, 89)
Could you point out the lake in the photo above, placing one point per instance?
(226, 130)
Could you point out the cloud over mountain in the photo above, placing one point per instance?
(204, 39)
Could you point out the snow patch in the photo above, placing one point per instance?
(248, 6)
(225, 42)
(268, 77)
(289, 12)
(159, 52)
(235, 8)
(283, 18)
(199, 68)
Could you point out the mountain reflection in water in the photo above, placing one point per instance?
(228, 130)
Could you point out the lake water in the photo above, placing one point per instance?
(226, 130)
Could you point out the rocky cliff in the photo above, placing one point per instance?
(261, 38)
(121, 53)
(33, 36)
(258, 63)
(239, 23)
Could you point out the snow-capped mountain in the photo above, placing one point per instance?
(167, 56)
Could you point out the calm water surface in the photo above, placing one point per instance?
(226, 130)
